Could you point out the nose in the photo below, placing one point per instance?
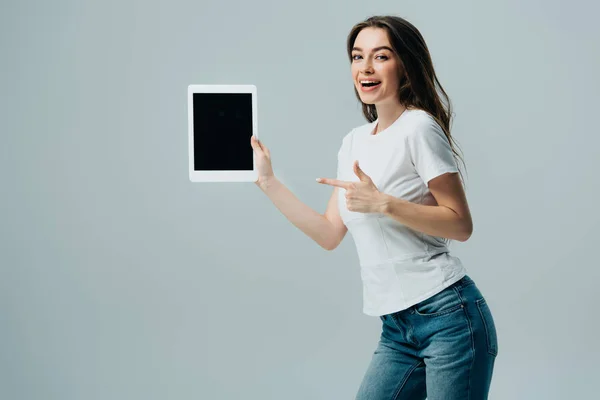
(368, 68)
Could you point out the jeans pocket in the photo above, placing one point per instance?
(489, 326)
(439, 304)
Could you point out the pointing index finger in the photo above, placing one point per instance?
(334, 182)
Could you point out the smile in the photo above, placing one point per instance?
(369, 85)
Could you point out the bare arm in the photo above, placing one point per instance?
(451, 218)
(327, 230)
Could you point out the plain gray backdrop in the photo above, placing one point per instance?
(121, 279)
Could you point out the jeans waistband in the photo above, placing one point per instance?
(463, 282)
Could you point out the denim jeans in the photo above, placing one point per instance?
(442, 348)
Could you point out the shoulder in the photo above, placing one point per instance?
(423, 127)
(361, 130)
(421, 120)
(345, 143)
(356, 132)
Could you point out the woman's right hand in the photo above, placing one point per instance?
(263, 162)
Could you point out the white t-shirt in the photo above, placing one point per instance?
(399, 266)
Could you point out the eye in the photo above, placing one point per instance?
(383, 56)
(354, 57)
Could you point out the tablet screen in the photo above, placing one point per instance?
(222, 131)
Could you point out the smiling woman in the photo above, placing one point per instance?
(374, 66)
(398, 192)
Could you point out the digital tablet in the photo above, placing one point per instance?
(221, 121)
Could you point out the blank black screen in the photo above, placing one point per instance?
(222, 131)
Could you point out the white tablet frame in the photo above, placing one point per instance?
(220, 176)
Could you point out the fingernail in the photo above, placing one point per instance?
(318, 179)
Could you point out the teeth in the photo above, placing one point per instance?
(368, 81)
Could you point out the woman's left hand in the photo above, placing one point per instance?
(362, 196)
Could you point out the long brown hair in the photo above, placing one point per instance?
(417, 77)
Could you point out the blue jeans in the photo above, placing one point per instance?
(442, 348)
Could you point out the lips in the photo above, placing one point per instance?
(368, 85)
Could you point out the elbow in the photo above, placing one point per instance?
(330, 245)
(467, 232)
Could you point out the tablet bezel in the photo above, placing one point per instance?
(220, 176)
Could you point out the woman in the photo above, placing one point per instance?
(402, 204)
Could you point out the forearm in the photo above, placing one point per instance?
(309, 221)
(432, 220)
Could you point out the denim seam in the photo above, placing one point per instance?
(472, 345)
(403, 382)
(440, 313)
(485, 326)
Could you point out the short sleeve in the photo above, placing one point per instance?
(342, 155)
(430, 151)
(339, 162)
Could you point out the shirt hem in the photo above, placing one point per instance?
(417, 300)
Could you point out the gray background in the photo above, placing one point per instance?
(121, 279)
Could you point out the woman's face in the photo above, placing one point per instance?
(375, 67)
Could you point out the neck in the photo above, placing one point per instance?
(387, 114)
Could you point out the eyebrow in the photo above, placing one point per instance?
(375, 49)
